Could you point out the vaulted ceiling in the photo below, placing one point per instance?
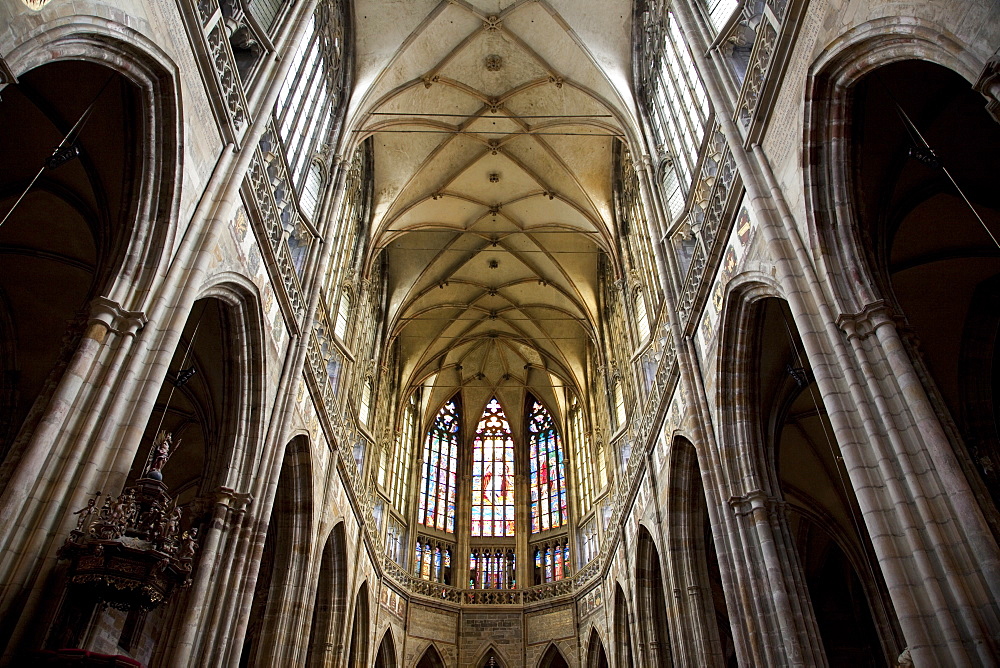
(494, 124)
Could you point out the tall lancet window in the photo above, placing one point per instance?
(437, 488)
(493, 474)
(548, 472)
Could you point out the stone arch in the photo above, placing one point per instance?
(326, 635)
(132, 55)
(386, 655)
(104, 213)
(933, 277)
(490, 657)
(623, 631)
(431, 658)
(653, 620)
(597, 657)
(283, 566)
(553, 658)
(808, 481)
(736, 363)
(357, 655)
(692, 558)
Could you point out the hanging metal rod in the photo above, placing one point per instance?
(484, 132)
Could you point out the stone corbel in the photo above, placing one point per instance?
(989, 85)
(109, 316)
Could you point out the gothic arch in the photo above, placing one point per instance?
(146, 66)
(623, 631)
(329, 615)
(386, 655)
(596, 656)
(357, 654)
(553, 658)
(692, 558)
(490, 654)
(876, 215)
(431, 658)
(653, 620)
(276, 610)
(736, 363)
(101, 231)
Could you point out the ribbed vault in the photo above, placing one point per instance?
(493, 132)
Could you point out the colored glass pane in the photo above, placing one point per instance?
(548, 471)
(493, 474)
(437, 490)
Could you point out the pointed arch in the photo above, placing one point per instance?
(693, 557)
(493, 474)
(431, 658)
(654, 626)
(438, 483)
(386, 655)
(357, 654)
(624, 657)
(275, 610)
(597, 657)
(490, 657)
(548, 508)
(553, 658)
(330, 608)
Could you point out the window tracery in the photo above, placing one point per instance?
(548, 471)
(437, 490)
(493, 474)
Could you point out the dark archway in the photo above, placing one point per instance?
(930, 255)
(66, 241)
(357, 656)
(823, 513)
(553, 658)
(623, 631)
(431, 658)
(386, 656)
(330, 610)
(283, 559)
(654, 624)
(596, 656)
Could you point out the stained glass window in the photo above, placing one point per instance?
(437, 490)
(432, 562)
(493, 474)
(551, 562)
(548, 471)
(492, 569)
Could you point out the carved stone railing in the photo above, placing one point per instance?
(299, 235)
(258, 185)
(224, 63)
(718, 178)
(773, 29)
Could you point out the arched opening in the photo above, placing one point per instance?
(330, 610)
(490, 659)
(596, 656)
(850, 606)
(623, 631)
(654, 625)
(63, 244)
(283, 559)
(386, 656)
(931, 257)
(553, 658)
(430, 659)
(691, 548)
(357, 656)
(202, 405)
